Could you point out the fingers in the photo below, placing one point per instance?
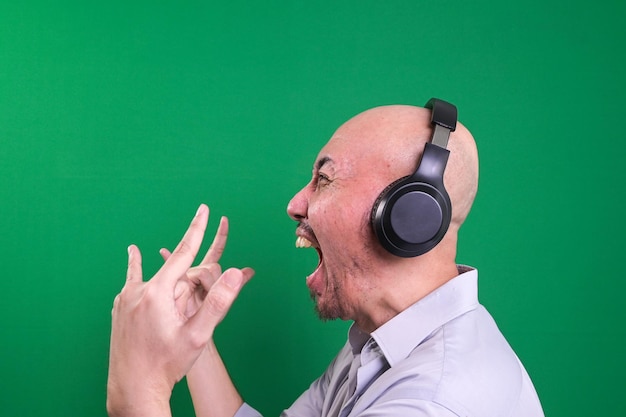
(134, 273)
(182, 288)
(205, 275)
(165, 253)
(217, 302)
(248, 273)
(216, 249)
(181, 259)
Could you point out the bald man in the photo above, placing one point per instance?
(421, 344)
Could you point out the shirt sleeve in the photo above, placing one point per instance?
(246, 411)
(309, 404)
(315, 400)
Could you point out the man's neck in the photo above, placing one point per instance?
(401, 286)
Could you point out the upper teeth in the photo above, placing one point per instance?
(302, 242)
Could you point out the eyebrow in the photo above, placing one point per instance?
(322, 161)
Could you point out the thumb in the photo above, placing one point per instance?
(217, 303)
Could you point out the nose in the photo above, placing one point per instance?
(299, 205)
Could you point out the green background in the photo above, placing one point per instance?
(118, 118)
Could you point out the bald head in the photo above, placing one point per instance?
(389, 140)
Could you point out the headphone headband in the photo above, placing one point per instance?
(443, 119)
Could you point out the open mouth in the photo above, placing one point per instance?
(303, 242)
(313, 280)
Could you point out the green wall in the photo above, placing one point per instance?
(118, 118)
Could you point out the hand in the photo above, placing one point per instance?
(191, 290)
(153, 341)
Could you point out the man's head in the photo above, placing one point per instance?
(357, 278)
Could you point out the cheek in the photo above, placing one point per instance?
(341, 225)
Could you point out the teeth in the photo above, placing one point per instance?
(302, 242)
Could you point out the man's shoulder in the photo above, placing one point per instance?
(465, 365)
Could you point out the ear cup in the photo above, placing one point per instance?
(410, 217)
(383, 196)
(416, 215)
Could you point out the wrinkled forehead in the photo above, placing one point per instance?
(376, 144)
(337, 156)
(350, 153)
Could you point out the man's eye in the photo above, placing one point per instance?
(322, 180)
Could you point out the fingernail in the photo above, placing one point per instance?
(200, 209)
(232, 279)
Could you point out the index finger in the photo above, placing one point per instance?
(181, 259)
(133, 273)
(216, 249)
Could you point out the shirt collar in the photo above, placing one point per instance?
(399, 336)
(357, 339)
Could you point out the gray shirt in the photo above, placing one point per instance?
(443, 356)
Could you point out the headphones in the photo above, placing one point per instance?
(412, 214)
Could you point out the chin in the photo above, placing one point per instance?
(328, 312)
(324, 315)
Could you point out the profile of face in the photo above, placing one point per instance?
(333, 215)
(333, 210)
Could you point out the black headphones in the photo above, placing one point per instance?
(411, 215)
